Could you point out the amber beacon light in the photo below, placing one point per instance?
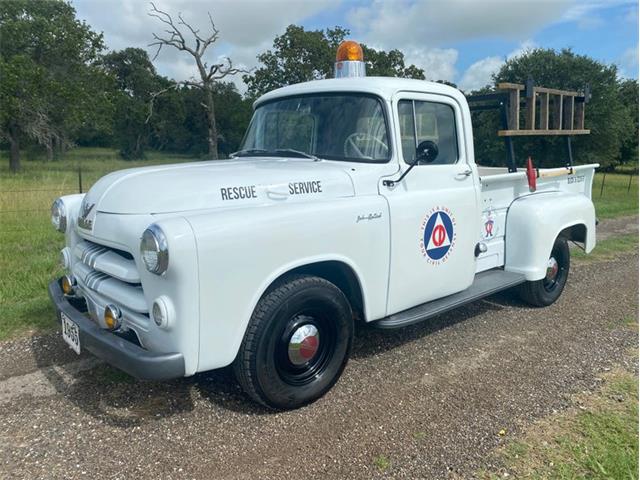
(349, 60)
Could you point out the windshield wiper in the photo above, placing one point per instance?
(246, 153)
(279, 152)
(291, 151)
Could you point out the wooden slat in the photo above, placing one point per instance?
(579, 116)
(515, 133)
(567, 116)
(555, 91)
(530, 113)
(510, 86)
(514, 110)
(556, 117)
(552, 91)
(544, 111)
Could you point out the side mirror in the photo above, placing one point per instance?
(426, 152)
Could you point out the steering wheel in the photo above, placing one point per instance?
(351, 144)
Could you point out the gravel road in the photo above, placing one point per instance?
(430, 398)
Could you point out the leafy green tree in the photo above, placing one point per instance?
(136, 83)
(628, 91)
(300, 55)
(605, 115)
(189, 133)
(51, 84)
(389, 64)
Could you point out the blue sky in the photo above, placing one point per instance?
(463, 41)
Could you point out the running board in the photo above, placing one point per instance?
(484, 284)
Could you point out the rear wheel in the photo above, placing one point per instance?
(297, 343)
(546, 291)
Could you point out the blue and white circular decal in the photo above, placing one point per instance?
(438, 237)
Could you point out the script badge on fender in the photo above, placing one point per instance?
(438, 235)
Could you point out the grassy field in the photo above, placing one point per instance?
(617, 199)
(29, 246)
(596, 439)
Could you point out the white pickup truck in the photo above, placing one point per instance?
(355, 198)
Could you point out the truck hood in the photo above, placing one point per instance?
(214, 184)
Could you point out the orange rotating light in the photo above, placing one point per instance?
(349, 50)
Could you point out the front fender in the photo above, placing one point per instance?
(533, 224)
(241, 251)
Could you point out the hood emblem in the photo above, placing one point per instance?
(83, 221)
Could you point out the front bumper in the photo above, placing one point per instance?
(117, 351)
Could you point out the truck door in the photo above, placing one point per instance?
(434, 211)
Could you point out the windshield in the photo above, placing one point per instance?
(349, 127)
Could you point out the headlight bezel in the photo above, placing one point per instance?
(154, 241)
(59, 218)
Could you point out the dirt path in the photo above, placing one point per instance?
(431, 398)
(611, 227)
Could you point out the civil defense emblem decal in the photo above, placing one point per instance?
(438, 235)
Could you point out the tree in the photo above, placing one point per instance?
(209, 74)
(136, 82)
(565, 70)
(628, 91)
(301, 55)
(389, 64)
(50, 79)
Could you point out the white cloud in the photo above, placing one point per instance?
(479, 73)
(628, 63)
(437, 63)
(432, 23)
(246, 28)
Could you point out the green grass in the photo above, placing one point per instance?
(382, 463)
(29, 247)
(615, 201)
(607, 249)
(597, 439)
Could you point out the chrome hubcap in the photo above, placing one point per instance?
(303, 344)
(552, 269)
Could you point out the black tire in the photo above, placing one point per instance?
(278, 369)
(542, 293)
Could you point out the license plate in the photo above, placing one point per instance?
(70, 333)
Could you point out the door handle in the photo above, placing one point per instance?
(464, 174)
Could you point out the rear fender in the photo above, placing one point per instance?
(535, 221)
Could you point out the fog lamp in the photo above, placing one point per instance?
(68, 284)
(162, 312)
(112, 317)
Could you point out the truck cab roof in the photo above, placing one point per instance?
(384, 87)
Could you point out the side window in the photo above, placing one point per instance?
(420, 121)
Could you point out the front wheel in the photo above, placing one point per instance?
(297, 343)
(542, 293)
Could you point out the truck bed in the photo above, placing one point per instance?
(499, 189)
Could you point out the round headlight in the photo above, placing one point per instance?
(59, 215)
(154, 250)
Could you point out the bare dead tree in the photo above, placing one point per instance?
(197, 46)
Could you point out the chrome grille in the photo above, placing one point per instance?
(110, 273)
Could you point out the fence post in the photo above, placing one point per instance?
(604, 175)
(629, 186)
(80, 178)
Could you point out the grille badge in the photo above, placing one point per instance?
(85, 210)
